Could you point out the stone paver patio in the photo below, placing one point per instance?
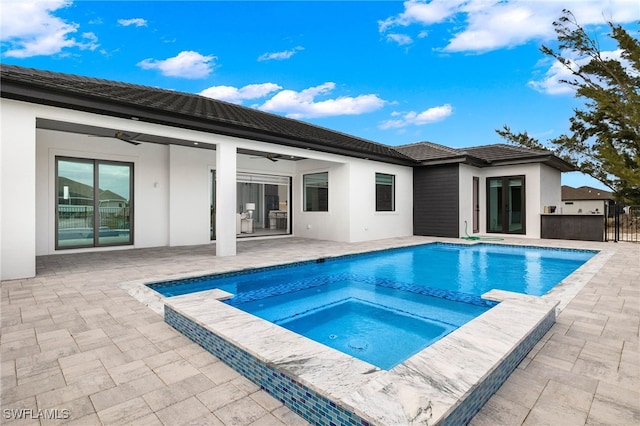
(77, 346)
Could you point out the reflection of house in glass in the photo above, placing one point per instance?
(83, 208)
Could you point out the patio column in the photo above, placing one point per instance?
(226, 199)
(18, 191)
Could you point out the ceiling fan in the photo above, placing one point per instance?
(123, 136)
(269, 156)
(127, 137)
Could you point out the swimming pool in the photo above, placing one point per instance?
(411, 296)
(445, 383)
(438, 267)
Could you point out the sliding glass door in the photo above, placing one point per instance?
(263, 203)
(93, 203)
(506, 205)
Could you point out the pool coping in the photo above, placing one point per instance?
(563, 292)
(429, 388)
(425, 389)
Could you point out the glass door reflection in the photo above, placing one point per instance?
(93, 204)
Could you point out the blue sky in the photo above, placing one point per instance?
(449, 72)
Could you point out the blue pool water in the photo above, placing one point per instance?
(383, 307)
(359, 318)
(358, 329)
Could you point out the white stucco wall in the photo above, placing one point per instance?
(550, 188)
(189, 195)
(352, 216)
(17, 190)
(365, 222)
(466, 174)
(171, 186)
(542, 188)
(330, 225)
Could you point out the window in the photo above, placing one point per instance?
(93, 203)
(316, 192)
(506, 205)
(476, 204)
(269, 195)
(385, 192)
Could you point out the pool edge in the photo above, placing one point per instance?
(424, 388)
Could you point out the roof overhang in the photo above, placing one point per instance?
(457, 159)
(547, 159)
(57, 98)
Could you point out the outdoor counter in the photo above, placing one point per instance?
(584, 227)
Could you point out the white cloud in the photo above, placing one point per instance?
(237, 95)
(416, 11)
(412, 118)
(286, 54)
(552, 83)
(304, 104)
(493, 24)
(29, 28)
(401, 39)
(138, 22)
(187, 64)
(90, 41)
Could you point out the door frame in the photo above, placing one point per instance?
(506, 207)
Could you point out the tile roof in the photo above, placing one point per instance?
(422, 151)
(197, 112)
(500, 152)
(486, 155)
(188, 110)
(585, 193)
(425, 151)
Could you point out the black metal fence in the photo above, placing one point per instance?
(622, 223)
(72, 217)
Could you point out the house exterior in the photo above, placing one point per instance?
(585, 200)
(494, 189)
(91, 165)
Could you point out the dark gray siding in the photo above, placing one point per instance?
(435, 201)
(584, 227)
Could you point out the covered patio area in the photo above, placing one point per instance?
(78, 347)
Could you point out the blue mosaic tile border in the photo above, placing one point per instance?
(170, 283)
(284, 288)
(188, 280)
(464, 412)
(312, 282)
(427, 291)
(307, 403)
(318, 409)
